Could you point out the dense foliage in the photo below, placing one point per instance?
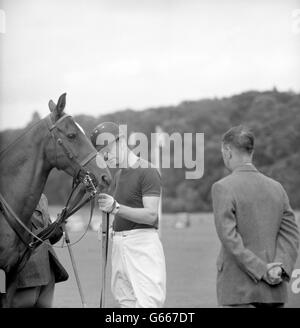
(274, 117)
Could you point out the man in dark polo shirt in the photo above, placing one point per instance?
(138, 263)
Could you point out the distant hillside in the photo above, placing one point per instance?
(274, 117)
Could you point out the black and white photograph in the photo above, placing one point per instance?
(149, 156)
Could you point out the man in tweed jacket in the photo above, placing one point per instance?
(256, 227)
(37, 279)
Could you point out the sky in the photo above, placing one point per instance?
(110, 55)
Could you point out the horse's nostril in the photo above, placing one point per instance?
(106, 180)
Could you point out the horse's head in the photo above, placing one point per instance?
(69, 149)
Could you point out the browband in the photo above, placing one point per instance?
(53, 126)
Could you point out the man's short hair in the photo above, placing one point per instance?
(241, 138)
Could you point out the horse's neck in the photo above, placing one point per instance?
(24, 172)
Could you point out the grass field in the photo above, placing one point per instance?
(190, 257)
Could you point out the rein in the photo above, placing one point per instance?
(66, 212)
(16, 223)
(105, 245)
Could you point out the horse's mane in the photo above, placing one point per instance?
(22, 132)
(18, 134)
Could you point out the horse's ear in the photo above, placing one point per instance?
(51, 105)
(61, 104)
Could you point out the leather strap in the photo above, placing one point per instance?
(88, 158)
(105, 243)
(54, 125)
(14, 222)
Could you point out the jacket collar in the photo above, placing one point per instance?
(247, 167)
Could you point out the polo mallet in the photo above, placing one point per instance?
(67, 239)
(105, 239)
(89, 183)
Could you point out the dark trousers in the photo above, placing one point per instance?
(35, 297)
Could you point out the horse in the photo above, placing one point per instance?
(55, 141)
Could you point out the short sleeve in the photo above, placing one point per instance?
(151, 182)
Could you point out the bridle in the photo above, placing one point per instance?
(82, 175)
(58, 141)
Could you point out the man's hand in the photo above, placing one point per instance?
(273, 274)
(106, 203)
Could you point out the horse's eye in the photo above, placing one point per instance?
(71, 135)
